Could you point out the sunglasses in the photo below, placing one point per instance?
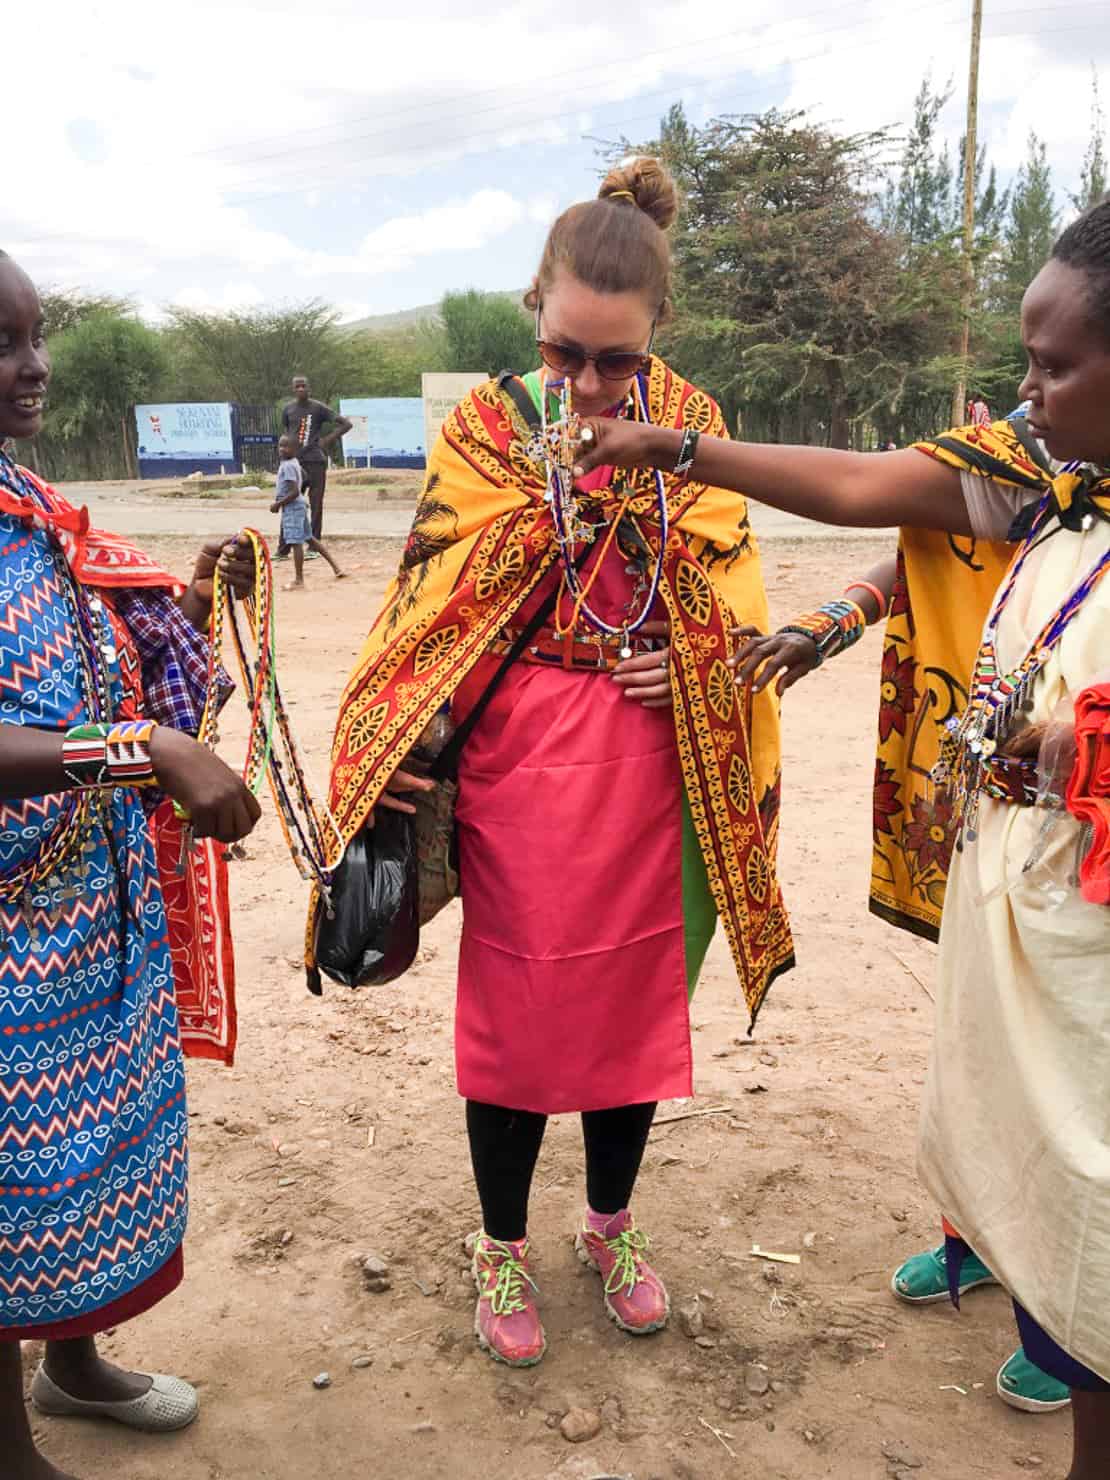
(612, 364)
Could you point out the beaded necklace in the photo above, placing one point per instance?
(995, 697)
(78, 810)
(558, 446)
(305, 823)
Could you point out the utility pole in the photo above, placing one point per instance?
(971, 155)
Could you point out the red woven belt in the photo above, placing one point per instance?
(593, 654)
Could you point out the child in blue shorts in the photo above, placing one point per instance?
(291, 504)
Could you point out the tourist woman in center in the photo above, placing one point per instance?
(618, 793)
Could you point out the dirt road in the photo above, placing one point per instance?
(339, 1135)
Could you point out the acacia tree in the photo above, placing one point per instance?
(794, 305)
(251, 357)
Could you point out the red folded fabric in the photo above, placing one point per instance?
(1089, 788)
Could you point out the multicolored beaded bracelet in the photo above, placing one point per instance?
(103, 755)
(832, 628)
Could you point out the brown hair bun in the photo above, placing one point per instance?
(616, 243)
(646, 183)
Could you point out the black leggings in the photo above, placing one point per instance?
(504, 1145)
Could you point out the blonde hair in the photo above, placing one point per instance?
(617, 243)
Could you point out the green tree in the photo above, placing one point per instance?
(1031, 229)
(486, 332)
(1093, 178)
(63, 308)
(103, 365)
(920, 205)
(251, 357)
(794, 305)
(390, 363)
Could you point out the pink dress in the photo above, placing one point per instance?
(572, 990)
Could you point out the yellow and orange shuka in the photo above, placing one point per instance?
(942, 595)
(482, 539)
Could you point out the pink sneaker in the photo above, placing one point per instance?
(507, 1322)
(635, 1296)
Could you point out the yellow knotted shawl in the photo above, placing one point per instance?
(942, 595)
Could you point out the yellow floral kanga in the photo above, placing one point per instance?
(943, 592)
(481, 541)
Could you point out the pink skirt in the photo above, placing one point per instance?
(572, 974)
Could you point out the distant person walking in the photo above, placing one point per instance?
(289, 503)
(305, 420)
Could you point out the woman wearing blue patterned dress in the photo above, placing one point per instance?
(96, 643)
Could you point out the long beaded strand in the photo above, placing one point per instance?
(300, 815)
(568, 526)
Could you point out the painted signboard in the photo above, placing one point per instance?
(185, 431)
(442, 393)
(386, 431)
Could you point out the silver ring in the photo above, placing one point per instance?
(587, 436)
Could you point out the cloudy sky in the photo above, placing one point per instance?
(224, 154)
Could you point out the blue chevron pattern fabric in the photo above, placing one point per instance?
(93, 1154)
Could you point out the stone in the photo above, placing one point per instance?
(611, 1413)
(287, 1238)
(423, 1428)
(690, 1318)
(901, 1457)
(360, 1364)
(707, 1343)
(374, 1267)
(321, 1380)
(379, 1287)
(580, 1424)
(756, 1380)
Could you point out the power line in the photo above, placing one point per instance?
(451, 146)
(465, 101)
(671, 92)
(528, 88)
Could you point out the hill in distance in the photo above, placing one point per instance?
(411, 318)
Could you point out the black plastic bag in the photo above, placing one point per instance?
(374, 934)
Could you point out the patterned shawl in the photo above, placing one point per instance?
(942, 595)
(482, 540)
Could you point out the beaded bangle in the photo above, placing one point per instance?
(687, 451)
(104, 755)
(85, 755)
(881, 601)
(129, 762)
(832, 628)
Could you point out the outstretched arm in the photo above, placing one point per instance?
(858, 489)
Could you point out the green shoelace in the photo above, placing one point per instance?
(627, 1248)
(507, 1295)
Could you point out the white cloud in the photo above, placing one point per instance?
(186, 152)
